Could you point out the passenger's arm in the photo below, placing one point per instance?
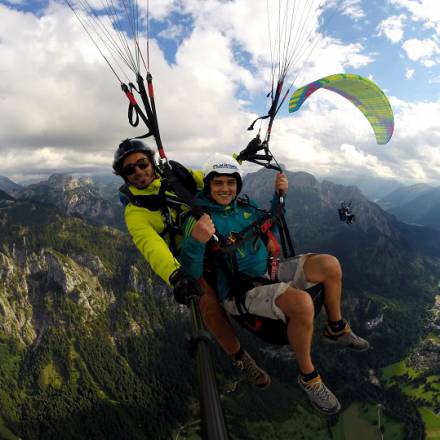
(196, 235)
(281, 187)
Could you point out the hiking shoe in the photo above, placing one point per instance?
(254, 374)
(346, 338)
(320, 396)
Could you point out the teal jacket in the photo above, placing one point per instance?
(251, 256)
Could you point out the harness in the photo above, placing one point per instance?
(164, 203)
(261, 228)
(273, 331)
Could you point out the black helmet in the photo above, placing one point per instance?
(127, 147)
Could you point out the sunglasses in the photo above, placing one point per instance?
(130, 169)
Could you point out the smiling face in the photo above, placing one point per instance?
(223, 189)
(138, 170)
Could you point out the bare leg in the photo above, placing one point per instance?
(323, 268)
(298, 308)
(216, 320)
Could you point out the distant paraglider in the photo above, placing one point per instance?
(346, 213)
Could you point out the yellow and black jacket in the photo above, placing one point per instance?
(154, 225)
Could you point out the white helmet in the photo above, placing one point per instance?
(222, 164)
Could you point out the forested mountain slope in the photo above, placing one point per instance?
(93, 347)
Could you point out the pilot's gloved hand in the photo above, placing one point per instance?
(184, 287)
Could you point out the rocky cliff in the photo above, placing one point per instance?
(77, 196)
(86, 332)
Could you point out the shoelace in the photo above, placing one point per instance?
(250, 368)
(355, 339)
(319, 389)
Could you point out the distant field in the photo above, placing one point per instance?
(431, 420)
(433, 337)
(398, 369)
(432, 423)
(359, 422)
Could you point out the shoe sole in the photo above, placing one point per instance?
(333, 342)
(264, 387)
(327, 413)
(318, 408)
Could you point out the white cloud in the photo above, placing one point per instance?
(427, 11)
(362, 160)
(435, 80)
(66, 112)
(160, 9)
(392, 28)
(421, 50)
(353, 9)
(68, 103)
(424, 13)
(409, 73)
(416, 139)
(173, 31)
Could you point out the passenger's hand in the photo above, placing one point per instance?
(273, 249)
(281, 184)
(185, 287)
(204, 229)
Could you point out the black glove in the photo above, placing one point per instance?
(184, 287)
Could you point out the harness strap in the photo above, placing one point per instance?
(286, 238)
(262, 226)
(238, 282)
(169, 226)
(156, 202)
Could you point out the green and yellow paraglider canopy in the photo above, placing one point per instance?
(361, 92)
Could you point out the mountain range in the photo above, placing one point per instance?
(374, 188)
(93, 347)
(95, 200)
(9, 186)
(416, 204)
(376, 249)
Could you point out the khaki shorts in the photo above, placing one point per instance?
(261, 299)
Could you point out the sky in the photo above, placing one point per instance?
(62, 109)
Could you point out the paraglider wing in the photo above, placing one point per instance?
(362, 92)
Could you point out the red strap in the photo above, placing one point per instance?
(266, 226)
(150, 90)
(131, 97)
(255, 327)
(272, 237)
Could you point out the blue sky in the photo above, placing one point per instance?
(63, 108)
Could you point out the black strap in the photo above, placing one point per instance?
(239, 283)
(254, 230)
(131, 110)
(286, 240)
(183, 194)
(251, 152)
(162, 202)
(171, 228)
(152, 202)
